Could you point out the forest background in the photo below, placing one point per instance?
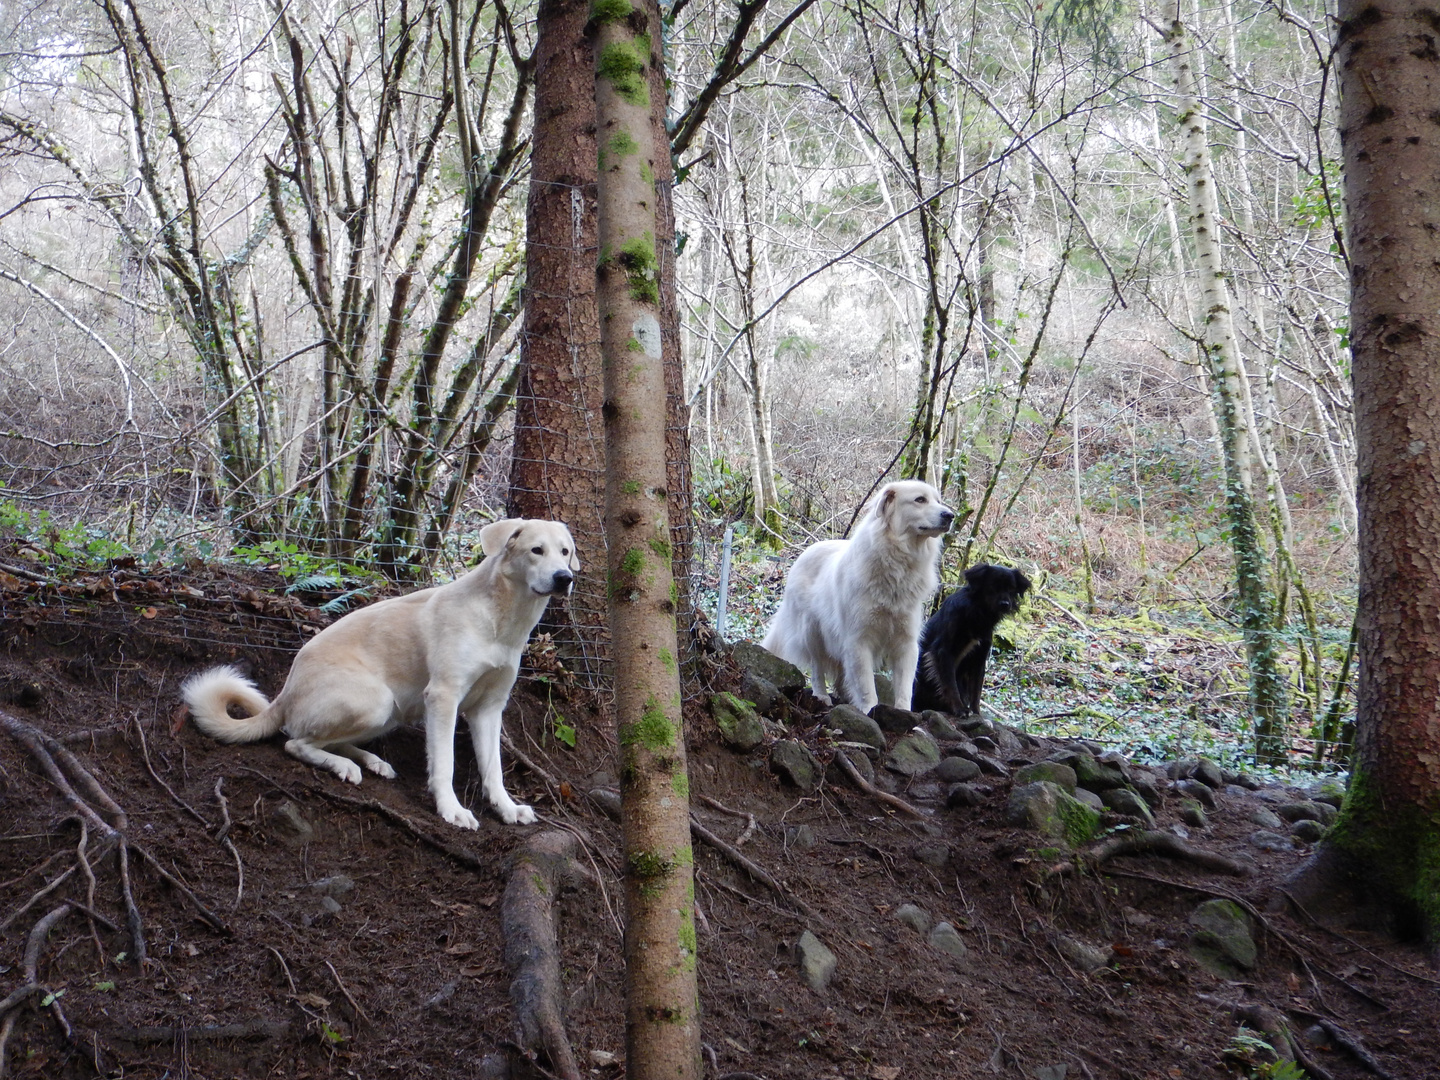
(264, 293)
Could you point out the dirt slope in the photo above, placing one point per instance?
(366, 941)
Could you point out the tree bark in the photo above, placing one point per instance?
(1387, 839)
(662, 1028)
(1227, 374)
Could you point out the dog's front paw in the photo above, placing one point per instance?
(457, 815)
(348, 771)
(516, 814)
(382, 769)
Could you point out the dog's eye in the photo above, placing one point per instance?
(538, 550)
(920, 498)
(564, 551)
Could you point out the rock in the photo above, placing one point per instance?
(917, 918)
(947, 939)
(1090, 799)
(926, 792)
(1007, 739)
(494, 1066)
(1082, 954)
(896, 721)
(1245, 780)
(940, 725)
(817, 963)
(1208, 773)
(915, 754)
(330, 906)
(1181, 768)
(967, 795)
(1051, 811)
(1052, 1072)
(1305, 810)
(1328, 813)
(1266, 818)
(760, 691)
(739, 723)
(1053, 771)
(984, 744)
(1222, 943)
(1147, 789)
(884, 688)
(1124, 801)
(800, 837)
(607, 802)
(1201, 793)
(1329, 791)
(859, 759)
(976, 725)
(761, 662)
(956, 770)
(1113, 759)
(936, 855)
(855, 726)
(793, 761)
(1270, 841)
(1307, 831)
(1090, 773)
(1193, 814)
(334, 885)
(295, 831)
(602, 1059)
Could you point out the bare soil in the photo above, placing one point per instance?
(401, 973)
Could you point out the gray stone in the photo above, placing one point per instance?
(1193, 814)
(855, 726)
(985, 744)
(1328, 813)
(884, 688)
(334, 885)
(330, 906)
(931, 854)
(1090, 799)
(295, 831)
(1124, 801)
(992, 765)
(1307, 831)
(817, 963)
(915, 754)
(1007, 739)
(917, 918)
(956, 770)
(1051, 811)
(928, 792)
(1090, 773)
(1245, 780)
(1305, 810)
(765, 664)
(859, 759)
(1329, 791)
(1181, 768)
(1147, 789)
(760, 691)
(800, 837)
(967, 795)
(1082, 954)
(895, 721)
(1201, 793)
(607, 802)
(1266, 840)
(1052, 1072)
(1208, 773)
(794, 762)
(976, 725)
(1266, 818)
(1053, 771)
(940, 725)
(739, 723)
(1222, 943)
(947, 939)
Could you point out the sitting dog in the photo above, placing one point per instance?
(434, 653)
(956, 640)
(851, 605)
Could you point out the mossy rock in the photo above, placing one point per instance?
(739, 723)
(1222, 942)
(1051, 811)
(1053, 771)
(764, 664)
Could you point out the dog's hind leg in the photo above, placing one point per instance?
(377, 765)
(902, 672)
(310, 752)
(859, 677)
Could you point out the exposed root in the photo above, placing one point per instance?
(874, 792)
(1152, 842)
(454, 851)
(543, 864)
(751, 868)
(145, 755)
(743, 815)
(250, 1029)
(184, 890)
(224, 837)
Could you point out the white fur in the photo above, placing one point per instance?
(852, 605)
(434, 653)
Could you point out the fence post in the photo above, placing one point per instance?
(720, 601)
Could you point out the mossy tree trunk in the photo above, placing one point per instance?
(1226, 375)
(1387, 840)
(662, 1028)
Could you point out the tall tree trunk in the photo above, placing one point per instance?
(1386, 843)
(1227, 373)
(662, 1029)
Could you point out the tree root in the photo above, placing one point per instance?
(454, 851)
(875, 793)
(1151, 842)
(539, 868)
(250, 1029)
(751, 868)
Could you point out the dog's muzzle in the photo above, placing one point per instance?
(562, 582)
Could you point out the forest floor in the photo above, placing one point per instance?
(328, 930)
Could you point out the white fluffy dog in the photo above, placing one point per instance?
(436, 652)
(851, 605)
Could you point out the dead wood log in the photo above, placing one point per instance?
(538, 870)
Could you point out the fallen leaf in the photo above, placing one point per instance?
(177, 718)
(885, 1072)
(315, 1001)
(460, 948)
(476, 971)
(149, 612)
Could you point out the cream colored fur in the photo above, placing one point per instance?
(434, 653)
(853, 605)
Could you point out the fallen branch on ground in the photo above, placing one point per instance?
(751, 868)
(875, 793)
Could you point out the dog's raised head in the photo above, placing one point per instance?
(997, 589)
(912, 508)
(541, 554)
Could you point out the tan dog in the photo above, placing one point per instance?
(851, 605)
(437, 652)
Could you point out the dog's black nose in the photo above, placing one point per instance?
(946, 517)
(563, 581)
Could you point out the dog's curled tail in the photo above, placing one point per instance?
(210, 694)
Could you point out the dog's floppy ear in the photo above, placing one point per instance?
(976, 574)
(885, 505)
(497, 534)
(574, 555)
(1022, 583)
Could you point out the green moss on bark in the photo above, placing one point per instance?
(623, 66)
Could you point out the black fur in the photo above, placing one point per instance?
(956, 640)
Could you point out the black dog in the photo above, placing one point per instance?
(956, 640)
